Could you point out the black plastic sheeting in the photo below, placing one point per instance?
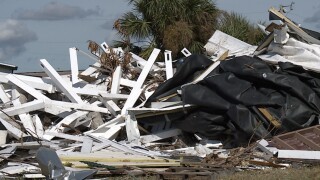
(229, 97)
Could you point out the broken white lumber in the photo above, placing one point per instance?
(71, 118)
(74, 65)
(110, 133)
(99, 146)
(86, 145)
(3, 137)
(85, 107)
(35, 82)
(19, 168)
(7, 152)
(116, 77)
(161, 105)
(38, 126)
(136, 91)
(59, 82)
(121, 147)
(30, 90)
(142, 62)
(3, 95)
(25, 118)
(298, 154)
(91, 70)
(104, 127)
(127, 82)
(211, 67)
(111, 106)
(263, 145)
(168, 62)
(67, 120)
(132, 130)
(221, 42)
(23, 108)
(67, 136)
(160, 135)
(12, 130)
(186, 52)
(94, 92)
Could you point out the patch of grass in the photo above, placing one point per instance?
(273, 174)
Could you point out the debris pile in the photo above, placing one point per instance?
(195, 116)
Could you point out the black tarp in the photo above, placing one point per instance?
(228, 98)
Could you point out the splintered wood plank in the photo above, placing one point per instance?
(137, 89)
(30, 90)
(132, 130)
(74, 65)
(23, 108)
(59, 82)
(12, 130)
(116, 77)
(85, 107)
(3, 95)
(160, 135)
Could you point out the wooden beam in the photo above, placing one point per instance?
(74, 65)
(132, 130)
(160, 135)
(136, 91)
(85, 107)
(30, 90)
(59, 82)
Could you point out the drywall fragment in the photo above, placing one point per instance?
(160, 135)
(74, 65)
(59, 82)
(137, 89)
(168, 62)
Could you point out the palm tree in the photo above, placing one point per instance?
(239, 27)
(165, 24)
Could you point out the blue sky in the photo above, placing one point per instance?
(31, 30)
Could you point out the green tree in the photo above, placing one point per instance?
(167, 24)
(239, 27)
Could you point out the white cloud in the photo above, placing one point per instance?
(56, 11)
(13, 37)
